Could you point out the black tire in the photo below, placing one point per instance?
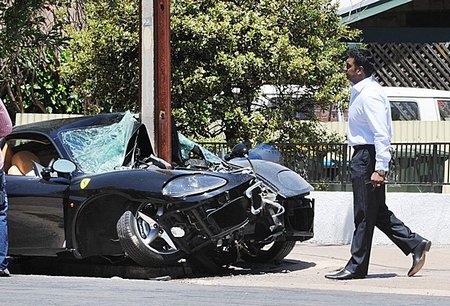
(253, 252)
(156, 252)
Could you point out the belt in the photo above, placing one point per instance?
(362, 147)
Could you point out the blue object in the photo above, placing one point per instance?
(265, 151)
(3, 223)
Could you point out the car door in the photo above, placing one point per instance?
(35, 215)
(36, 204)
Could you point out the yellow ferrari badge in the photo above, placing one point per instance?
(84, 183)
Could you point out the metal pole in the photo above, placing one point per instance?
(162, 78)
(147, 67)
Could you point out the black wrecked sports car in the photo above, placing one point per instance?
(91, 186)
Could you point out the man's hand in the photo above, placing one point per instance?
(377, 179)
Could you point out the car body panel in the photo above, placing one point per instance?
(287, 183)
(36, 215)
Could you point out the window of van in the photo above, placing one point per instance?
(444, 109)
(404, 110)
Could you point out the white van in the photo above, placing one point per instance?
(407, 104)
(418, 104)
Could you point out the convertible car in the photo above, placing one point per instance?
(91, 186)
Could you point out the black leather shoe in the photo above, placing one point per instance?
(4, 273)
(419, 256)
(344, 274)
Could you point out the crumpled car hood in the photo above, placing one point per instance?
(287, 182)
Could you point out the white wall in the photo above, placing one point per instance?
(405, 131)
(22, 118)
(427, 214)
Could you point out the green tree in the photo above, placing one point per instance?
(222, 53)
(220, 48)
(103, 56)
(31, 36)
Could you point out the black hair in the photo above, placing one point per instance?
(364, 58)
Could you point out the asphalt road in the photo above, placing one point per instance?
(57, 290)
(299, 280)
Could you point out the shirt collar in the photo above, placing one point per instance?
(360, 85)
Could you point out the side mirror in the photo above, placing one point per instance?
(64, 166)
(239, 150)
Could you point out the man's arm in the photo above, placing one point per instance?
(375, 109)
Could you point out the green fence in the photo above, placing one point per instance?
(424, 164)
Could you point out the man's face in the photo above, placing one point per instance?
(354, 73)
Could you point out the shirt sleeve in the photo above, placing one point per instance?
(5, 121)
(376, 112)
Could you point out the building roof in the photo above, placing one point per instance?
(355, 10)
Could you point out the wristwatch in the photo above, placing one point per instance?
(381, 172)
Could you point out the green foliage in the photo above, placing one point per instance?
(103, 57)
(89, 62)
(218, 46)
(31, 39)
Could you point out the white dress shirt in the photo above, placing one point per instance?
(369, 120)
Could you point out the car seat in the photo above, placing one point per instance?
(22, 163)
(7, 154)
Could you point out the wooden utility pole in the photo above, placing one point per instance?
(162, 78)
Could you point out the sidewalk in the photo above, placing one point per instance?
(387, 270)
(306, 266)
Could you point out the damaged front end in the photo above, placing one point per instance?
(208, 217)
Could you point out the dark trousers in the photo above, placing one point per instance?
(3, 223)
(370, 210)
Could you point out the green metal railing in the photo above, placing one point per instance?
(329, 163)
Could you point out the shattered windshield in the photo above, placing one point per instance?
(98, 149)
(187, 146)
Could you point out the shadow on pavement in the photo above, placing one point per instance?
(284, 266)
(101, 267)
(98, 267)
(385, 275)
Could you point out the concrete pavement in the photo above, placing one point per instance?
(306, 266)
(387, 270)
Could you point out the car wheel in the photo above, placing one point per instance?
(260, 253)
(145, 241)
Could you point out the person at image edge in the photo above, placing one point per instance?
(5, 129)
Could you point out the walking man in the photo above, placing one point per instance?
(369, 133)
(5, 129)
